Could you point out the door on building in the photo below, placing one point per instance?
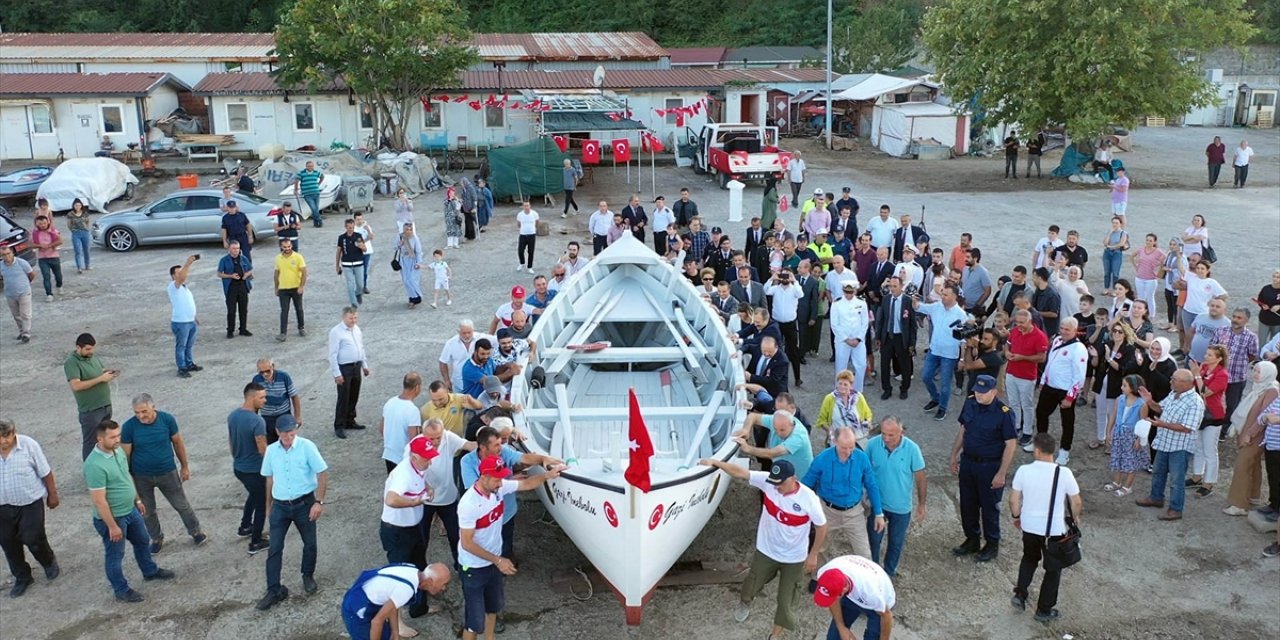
(84, 127)
(1262, 108)
(749, 109)
(1242, 106)
(15, 135)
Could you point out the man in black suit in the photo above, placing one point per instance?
(747, 290)
(895, 332)
(726, 305)
(880, 272)
(767, 374)
(762, 326)
(759, 257)
(906, 234)
(637, 219)
(755, 236)
(721, 259)
(740, 262)
(807, 319)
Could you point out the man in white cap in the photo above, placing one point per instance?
(849, 323)
(403, 495)
(782, 538)
(853, 586)
(371, 607)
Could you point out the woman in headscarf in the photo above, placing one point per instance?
(452, 218)
(845, 407)
(409, 253)
(1158, 370)
(470, 196)
(769, 206)
(485, 203)
(1246, 480)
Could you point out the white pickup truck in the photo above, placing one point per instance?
(740, 151)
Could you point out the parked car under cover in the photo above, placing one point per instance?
(22, 184)
(97, 182)
(188, 216)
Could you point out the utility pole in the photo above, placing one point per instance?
(828, 115)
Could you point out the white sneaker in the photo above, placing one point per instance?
(519, 267)
(531, 272)
(564, 215)
(1064, 457)
(742, 612)
(1029, 447)
(1233, 510)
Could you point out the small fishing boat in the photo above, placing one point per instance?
(330, 185)
(630, 323)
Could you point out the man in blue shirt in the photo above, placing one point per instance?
(841, 476)
(247, 437)
(282, 397)
(151, 440)
(236, 272)
(944, 347)
(297, 479)
(477, 367)
(898, 467)
(787, 440)
(981, 455)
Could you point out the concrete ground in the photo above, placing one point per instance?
(1199, 578)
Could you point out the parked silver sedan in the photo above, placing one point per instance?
(186, 216)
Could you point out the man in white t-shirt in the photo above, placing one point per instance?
(480, 520)
(443, 493)
(401, 420)
(853, 586)
(1043, 254)
(527, 219)
(456, 351)
(1240, 162)
(502, 317)
(404, 492)
(183, 321)
(371, 607)
(795, 175)
(1029, 503)
(782, 538)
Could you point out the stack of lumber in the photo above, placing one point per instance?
(204, 138)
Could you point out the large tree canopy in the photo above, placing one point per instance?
(391, 53)
(876, 35)
(1084, 64)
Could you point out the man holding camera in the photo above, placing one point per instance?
(946, 319)
(183, 321)
(980, 356)
(786, 296)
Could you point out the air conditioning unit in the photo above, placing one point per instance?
(1213, 75)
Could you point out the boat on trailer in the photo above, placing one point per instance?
(630, 321)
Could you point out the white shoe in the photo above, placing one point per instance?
(564, 215)
(531, 271)
(742, 612)
(1064, 457)
(448, 303)
(1028, 447)
(1233, 510)
(519, 267)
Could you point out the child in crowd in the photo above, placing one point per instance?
(1127, 453)
(441, 268)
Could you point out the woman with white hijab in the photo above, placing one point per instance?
(1246, 480)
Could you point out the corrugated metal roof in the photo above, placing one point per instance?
(696, 55)
(771, 54)
(629, 45)
(254, 84)
(134, 46)
(82, 84)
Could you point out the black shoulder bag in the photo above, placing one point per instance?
(1207, 253)
(1061, 551)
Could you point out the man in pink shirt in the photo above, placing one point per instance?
(46, 240)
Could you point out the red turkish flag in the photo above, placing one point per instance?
(656, 144)
(561, 142)
(475, 105)
(461, 98)
(622, 150)
(591, 152)
(679, 119)
(641, 446)
(442, 98)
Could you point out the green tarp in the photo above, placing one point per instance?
(584, 121)
(530, 169)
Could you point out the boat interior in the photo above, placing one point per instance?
(662, 340)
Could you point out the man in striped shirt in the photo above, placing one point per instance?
(26, 486)
(282, 397)
(308, 185)
(1242, 345)
(1176, 421)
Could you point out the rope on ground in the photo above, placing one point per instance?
(591, 590)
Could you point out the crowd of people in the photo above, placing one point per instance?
(1011, 350)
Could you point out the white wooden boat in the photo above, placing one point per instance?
(631, 321)
(330, 184)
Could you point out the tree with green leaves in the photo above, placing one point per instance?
(1085, 64)
(876, 35)
(390, 53)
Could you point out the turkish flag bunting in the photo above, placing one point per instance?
(490, 101)
(662, 113)
(561, 142)
(679, 119)
(426, 103)
(535, 105)
(475, 105)
(461, 98)
(614, 117)
(622, 150)
(591, 152)
(442, 98)
(641, 446)
(515, 105)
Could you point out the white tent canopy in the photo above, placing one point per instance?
(876, 85)
(895, 126)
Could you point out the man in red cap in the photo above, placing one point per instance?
(852, 586)
(480, 520)
(404, 493)
(782, 539)
(502, 317)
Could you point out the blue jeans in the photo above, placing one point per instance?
(81, 240)
(1112, 261)
(184, 338)
(368, 258)
(135, 533)
(897, 524)
(1171, 467)
(933, 365)
(851, 612)
(50, 273)
(354, 277)
(283, 515)
(313, 201)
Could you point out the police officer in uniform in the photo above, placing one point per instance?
(981, 455)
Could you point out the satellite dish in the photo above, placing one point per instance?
(597, 79)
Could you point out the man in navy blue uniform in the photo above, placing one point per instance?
(981, 455)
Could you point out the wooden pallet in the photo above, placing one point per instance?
(1153, 121)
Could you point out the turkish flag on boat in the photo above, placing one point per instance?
(622, 150)
(591, 152)
(637, 473)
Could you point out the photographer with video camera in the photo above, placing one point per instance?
(980, 356)
(946, 319)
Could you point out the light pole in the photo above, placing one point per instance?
(828, 114)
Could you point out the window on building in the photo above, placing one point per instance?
(304, 116)
(233, 67)
(672, 103)
(366, 115)
(41, 119)
(433, 119)
(112, 118)
(1264, 99)
(495, 117)
(238, 117)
